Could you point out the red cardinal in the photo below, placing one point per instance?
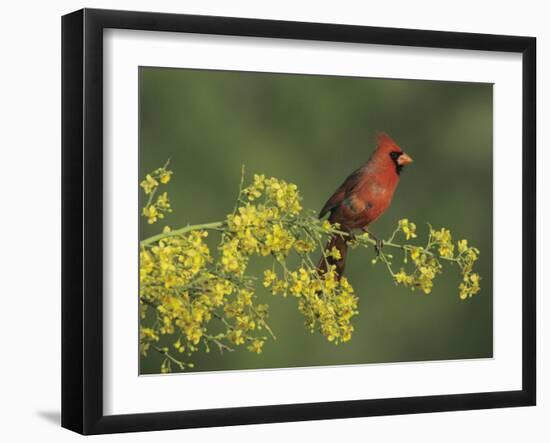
(364, 196)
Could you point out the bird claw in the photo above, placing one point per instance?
(379, 243)
(378, 246)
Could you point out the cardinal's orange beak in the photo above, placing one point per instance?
(404, 159)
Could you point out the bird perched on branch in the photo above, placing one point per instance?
(363, 197)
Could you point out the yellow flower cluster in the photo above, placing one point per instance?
(168, 271)
(408, 228)
(146, 337)
(270, 222)
(149, 184)
(175, 260)
(444, 241)
(181, 283)
(152, 180)
(156, 210)
(267, 226)
(470, 280)
(426, 269)
(327, 303)
(233, 260)
(469, 286)
(283, 195)
(259, 229)
(246, 318)
(427, 260)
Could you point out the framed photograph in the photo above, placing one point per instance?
(269, 221)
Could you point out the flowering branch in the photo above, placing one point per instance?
(187, 291)
(205, 226)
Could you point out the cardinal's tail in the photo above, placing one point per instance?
(328, 258)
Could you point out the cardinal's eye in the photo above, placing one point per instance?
(395, 155)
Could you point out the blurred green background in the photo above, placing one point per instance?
(314, 131)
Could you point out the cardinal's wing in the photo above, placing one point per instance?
(343, 192)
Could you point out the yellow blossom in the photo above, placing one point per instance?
(164, 176)
(415, 254)
(151, 213)
(232, 259)
(304, 247)
(269, 278)
(443, 238)
(256, 346)
(401, 277)
(149, 184)
(408, 228)
(335, 253)
(326, 226)
(236, 336)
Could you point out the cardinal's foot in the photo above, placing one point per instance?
(378, 246)
(379, 243)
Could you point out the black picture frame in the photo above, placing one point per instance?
(82, 220)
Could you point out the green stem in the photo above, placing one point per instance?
(240, 190)
(388, 264)
(402, 247)
(174, 360)
(215, 225)
(221, 346)
(151, 196)
(424, 251)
